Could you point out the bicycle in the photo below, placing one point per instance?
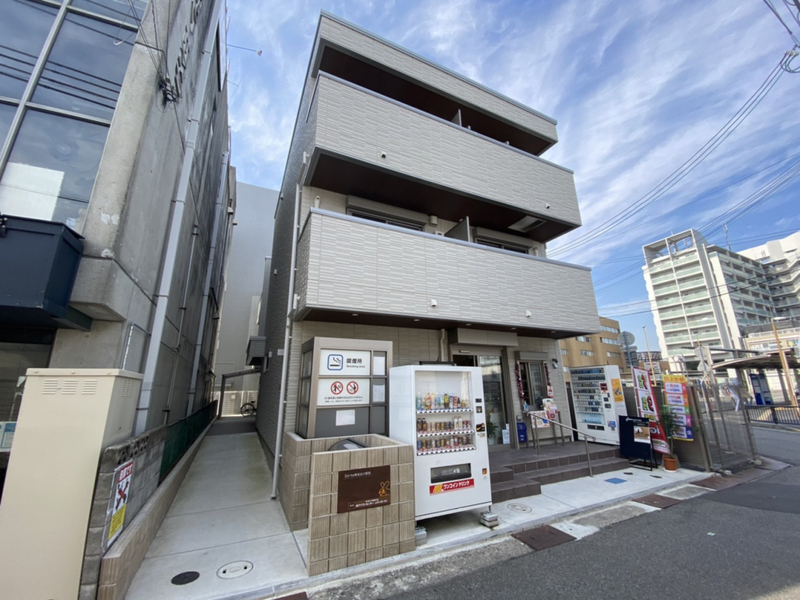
(248, 409)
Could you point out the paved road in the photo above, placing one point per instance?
(739, 543)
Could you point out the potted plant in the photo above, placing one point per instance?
(669, 424)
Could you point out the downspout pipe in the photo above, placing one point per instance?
(287, 338)
(220, 209)
(173, 237)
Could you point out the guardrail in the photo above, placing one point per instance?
(779, 415)
(183, 433)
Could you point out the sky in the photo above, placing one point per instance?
(638, 88)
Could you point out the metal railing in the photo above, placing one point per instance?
(182, 434)
(534, 417)
(779, 415)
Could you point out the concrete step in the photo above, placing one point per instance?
(533, 463)
(519, 488)
(530, 483)
(561, 473)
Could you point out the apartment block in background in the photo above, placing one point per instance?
(701, 293)
(602, 348)
(781, 258)
(416, 209)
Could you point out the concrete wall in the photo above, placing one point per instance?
(130, 211)
(251, 244)
(146, 451)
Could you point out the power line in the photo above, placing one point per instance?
(687, 167)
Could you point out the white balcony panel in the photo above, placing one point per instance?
(357, 266)
(359, 124)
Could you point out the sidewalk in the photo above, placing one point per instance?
(224, 527)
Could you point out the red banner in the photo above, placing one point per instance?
(451, 486)
(648, 408)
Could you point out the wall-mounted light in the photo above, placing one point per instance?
(434, 303)
(528, 314)
(555, 363)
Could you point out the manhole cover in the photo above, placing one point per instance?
(185, 577)
(235, 569)
(523, 508)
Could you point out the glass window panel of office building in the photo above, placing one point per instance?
(61, 70)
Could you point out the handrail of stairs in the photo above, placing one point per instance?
(533, 418)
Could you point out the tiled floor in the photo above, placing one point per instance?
(222, 514)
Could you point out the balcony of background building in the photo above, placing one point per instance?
(375, 147)
(359, 271)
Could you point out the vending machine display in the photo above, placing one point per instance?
(599, 402)
(440, 411)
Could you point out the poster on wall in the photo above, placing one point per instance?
(119, 504)
(647, 407)
(676, 400)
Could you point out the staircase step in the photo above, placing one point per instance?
(510, 490)
(556, 474)
(501, 475)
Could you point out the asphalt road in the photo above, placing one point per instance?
(738, 543)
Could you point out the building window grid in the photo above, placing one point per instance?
(25, 104)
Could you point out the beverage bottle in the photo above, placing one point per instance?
(446, 401)
(419, 401)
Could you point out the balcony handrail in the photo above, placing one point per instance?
(533, 416)
(438, 238)
(355, 86)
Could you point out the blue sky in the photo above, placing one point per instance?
(637, 87)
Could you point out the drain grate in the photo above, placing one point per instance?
(657, 501)
(543, 537)
(185, 577)
(517, 507)
(234, 569)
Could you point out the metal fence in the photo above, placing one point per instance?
(182, 434)
(726, 425)
(233, 401)
(777, 414)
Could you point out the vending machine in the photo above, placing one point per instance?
(440, 411)
(599, 402)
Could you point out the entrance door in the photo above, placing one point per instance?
(493, 399)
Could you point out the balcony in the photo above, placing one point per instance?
(354, 270)
(371, 146)
(39, 262)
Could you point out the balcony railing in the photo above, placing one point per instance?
(355, 266)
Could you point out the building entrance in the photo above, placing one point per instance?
(494, 401)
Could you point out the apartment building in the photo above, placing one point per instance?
(602, 348)
(702, 293)
(116, 194)
(415, 209)
(782, 261)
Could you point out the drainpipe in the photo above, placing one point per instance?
(442, 348)
(201, 330)
(287, 338)
(184, 296)
(173, 237)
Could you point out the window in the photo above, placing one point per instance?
(587, 353)
(609, 341)
(60, 132)
(582, 338)
(387, 219)
(609, 329)
(612, 354)
(502, 245)
(564, 352)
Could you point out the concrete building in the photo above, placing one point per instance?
(702, 293)
(243, 311)
(782, 261)
(415, 209)
(602, 348)
(116, 195)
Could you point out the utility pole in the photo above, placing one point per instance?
(649, 356)
(789, 389)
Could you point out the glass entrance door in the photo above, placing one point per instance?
(493, 398)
